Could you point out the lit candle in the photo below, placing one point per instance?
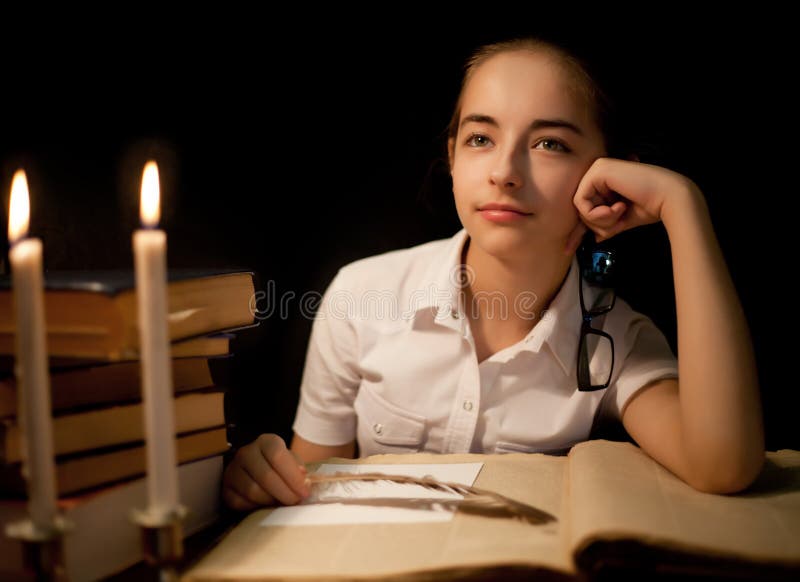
(150, 259)
(33, 379)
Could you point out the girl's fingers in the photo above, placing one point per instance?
(266, 484)
(607, 220)
(286, 468)
(262, 473)
(280, 490)
(583, 204)
(244, 483)
(617, 195)
(236, 501)
(605, 216)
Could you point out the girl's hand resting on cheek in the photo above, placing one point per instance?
(617, 195)
(264, 472)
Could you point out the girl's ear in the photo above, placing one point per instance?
(451, 152)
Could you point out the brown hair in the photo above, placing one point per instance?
(584, 84)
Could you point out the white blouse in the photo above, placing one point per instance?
(391, 362)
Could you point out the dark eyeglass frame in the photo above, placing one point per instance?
(588, 315)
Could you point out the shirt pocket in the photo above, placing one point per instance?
(384, 427)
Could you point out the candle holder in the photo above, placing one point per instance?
(42, 547)
(162, 539)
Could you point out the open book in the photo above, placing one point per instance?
(616, 509)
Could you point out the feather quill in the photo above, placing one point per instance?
(473, 500)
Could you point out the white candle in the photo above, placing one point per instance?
(150, 250)
(33, 380)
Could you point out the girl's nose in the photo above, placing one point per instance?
(506, 173)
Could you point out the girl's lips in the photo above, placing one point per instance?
(502, 215)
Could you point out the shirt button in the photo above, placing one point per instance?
(378, 428)
(454, 314)
(467, 405)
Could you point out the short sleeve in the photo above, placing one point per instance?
(331, 376)
(647, 357)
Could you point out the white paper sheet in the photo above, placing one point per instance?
(319, 510)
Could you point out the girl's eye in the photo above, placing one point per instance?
(478, 140)
(552, 145)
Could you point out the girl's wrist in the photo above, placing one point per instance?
(684, 203)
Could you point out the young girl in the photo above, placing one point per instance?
(470, 344)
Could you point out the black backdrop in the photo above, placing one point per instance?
(292, 148)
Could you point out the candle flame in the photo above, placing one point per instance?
(19, 211)
(149, 210)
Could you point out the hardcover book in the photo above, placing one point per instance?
(104, 384)
(94, 314)
(79, 472)
(114, 425)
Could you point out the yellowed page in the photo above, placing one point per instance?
(468, 543)
(619, 492)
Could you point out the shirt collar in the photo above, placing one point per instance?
(558, 326)
(443, 297)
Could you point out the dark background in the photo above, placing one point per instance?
(293, 147)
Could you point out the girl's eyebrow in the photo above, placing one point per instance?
(536, 124)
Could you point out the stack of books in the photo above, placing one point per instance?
(98, 415)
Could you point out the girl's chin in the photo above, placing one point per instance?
(504, 241)
(512, 242)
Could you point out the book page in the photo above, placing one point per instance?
(469, 543)
(342, 502)
(619, 492)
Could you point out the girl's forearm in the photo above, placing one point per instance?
(719, 397)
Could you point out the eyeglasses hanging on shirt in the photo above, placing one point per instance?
(595, 347)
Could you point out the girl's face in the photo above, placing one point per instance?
(525, 138)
